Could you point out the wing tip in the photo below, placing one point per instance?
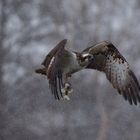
(132, 96)
(62, 42)
(106, 42)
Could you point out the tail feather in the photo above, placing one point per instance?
(41, 71)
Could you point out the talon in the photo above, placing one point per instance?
(63, 90)
(67, 86)
(66, 90)
(66, 97)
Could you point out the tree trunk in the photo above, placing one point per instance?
(2, 54)
(104, 123)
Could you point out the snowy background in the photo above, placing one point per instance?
(28, 30)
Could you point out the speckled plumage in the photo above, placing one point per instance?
(109, 60)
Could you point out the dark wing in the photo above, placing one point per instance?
(49, 56)
(55, 71)
(109, 60)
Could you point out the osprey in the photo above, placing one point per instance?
(61, 63)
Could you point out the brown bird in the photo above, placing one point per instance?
(61, 63)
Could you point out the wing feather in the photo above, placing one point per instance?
(117, 70)
(54, 69)
(55, 76)
(50, 55)
(58, 63)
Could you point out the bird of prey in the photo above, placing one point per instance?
(61, 63)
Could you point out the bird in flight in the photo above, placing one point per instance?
(61, 63)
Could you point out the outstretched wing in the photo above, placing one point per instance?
(54, 68)
(109, 60)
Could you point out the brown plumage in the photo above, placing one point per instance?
(61, 63)
(109, 60)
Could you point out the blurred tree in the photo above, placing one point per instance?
(28, 30)
(3, 20)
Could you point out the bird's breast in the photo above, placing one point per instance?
(73, 65)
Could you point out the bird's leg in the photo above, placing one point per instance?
(67, 87)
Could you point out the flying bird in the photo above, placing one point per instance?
(61, 63)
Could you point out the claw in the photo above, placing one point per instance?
(66, 90)
(66, 97)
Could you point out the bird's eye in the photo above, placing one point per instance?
(86, 57)
(90, 57)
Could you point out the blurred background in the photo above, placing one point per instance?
(31, 28)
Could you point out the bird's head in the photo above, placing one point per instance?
(86, 58)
